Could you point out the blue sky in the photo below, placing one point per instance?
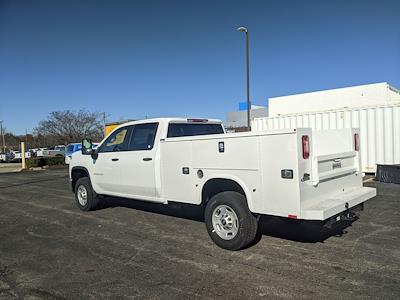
(133, 59)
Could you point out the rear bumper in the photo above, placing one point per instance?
(323, 210)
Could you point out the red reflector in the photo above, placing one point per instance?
(356, 142)
(198, 120)
(292, 216)
(306, 146)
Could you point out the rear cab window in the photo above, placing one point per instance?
(143, 137)
(193, 129)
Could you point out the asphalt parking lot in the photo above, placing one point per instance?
(51, 250)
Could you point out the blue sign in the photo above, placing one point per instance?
(243, 105)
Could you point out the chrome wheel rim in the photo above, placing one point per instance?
(82, 195)
(225, 222)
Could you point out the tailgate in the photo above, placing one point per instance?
(325, 209)
(331, 179)
(331, 166)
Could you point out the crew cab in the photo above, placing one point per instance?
(296, 174)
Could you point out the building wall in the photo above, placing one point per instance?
(349, 97)
(239, 118)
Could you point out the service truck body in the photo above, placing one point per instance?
(295, 173)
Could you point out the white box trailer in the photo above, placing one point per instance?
(379, 130)
(377, 94)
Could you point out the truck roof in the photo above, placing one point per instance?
(175, 120)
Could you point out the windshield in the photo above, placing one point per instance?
(188, 129)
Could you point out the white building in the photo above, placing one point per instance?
(374, 108)
(343, 98)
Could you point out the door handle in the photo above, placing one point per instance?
(147, 159)
(115, 159)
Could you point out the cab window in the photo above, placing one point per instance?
(188, 129)
(143, 136)
(71, 148)
(117, 141)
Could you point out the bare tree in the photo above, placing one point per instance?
(67, 126)
(13, 141)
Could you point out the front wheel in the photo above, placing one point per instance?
(85, 197)
(229, 221)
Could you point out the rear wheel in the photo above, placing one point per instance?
(85, 197)
(229, 221)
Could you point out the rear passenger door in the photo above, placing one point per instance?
(138, 163)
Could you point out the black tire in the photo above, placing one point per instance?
(247, 222)
(92, 201)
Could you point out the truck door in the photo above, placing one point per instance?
(137, 164)
(125, 165)
(107, 168)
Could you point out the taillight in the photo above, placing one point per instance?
(356, 142)
(306, 146)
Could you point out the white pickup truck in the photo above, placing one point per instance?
(236, 177)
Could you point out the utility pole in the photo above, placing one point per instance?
(2, 135)
(104, 121)
(246, 31)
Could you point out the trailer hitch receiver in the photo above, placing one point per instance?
(349, 215)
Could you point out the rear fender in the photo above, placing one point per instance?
(236, 179)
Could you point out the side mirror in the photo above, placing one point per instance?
(95, 154)
(87, 147)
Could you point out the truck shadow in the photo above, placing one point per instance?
(288, 229)
(300, 231)
(173, 209)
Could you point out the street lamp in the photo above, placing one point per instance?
(246, 31)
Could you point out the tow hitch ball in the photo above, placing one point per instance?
(347, 214)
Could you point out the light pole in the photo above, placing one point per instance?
(2, 136)
(246, 31)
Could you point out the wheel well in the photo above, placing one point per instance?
(76, 174)
(218, 185)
